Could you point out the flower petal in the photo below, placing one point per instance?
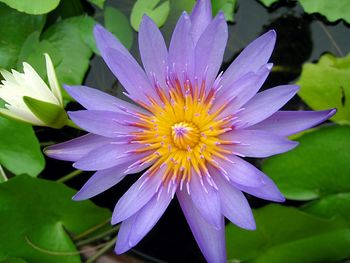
(105, 123)
(234, 205)
(123, 65)
(268, 191)
(240, 171)
(257, 144)
(206, 199)
(210, 240)
(209, 50)
(94, 99)
(134, 228)
(51, 75)
(200, 18)
(75, 149)
(255, 55)
(286, 123)
(137, 196)
(106, 156)
(264, 104)
(154, 53)
(181, 50)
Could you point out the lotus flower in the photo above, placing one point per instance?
(189, 130)
(29, 99)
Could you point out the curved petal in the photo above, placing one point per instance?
(133, 229)
(286, 123)
(75, 149)
(105, 123)
(52, 78)
(200, 18)
(209, 50)
(181, 50)
(137, 196)
(256, 54)
(240, 171)
(268, 191)
(210, 240)
(264, 104)
(206, 198)
(106, 156)
(234, 205)
(259, 144)
(94, 99)
(154, 53)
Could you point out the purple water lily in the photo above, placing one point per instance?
(189, 132)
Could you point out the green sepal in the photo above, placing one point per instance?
(51, 114)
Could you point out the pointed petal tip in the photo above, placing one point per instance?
(331, 112)
(121, 248)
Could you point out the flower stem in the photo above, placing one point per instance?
(98, 237)
(102, 251)
(91, 230)
(71, 124)
(69, 176)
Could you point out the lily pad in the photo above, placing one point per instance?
(36, 217)
(33, 7)
(226, 6)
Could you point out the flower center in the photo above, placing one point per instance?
(185, 135)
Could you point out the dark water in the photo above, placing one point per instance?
(301, 38)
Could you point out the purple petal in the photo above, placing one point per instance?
(105, 123)
(181, 50)
(240, 171)
(154, 53)
(234, 205)
(257, 144)
(94, 99)
(106, 156)
(123, 65)
(101, 181)
(255, 55)
(75, 149)
(268, 191)
(134, 228)
(286, 123)
(209, 50)
(264, 104)
(210, 240)
(137, 196)
(200, 18)
(206, 199)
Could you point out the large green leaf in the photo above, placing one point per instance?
(19, 148)
(226, 6)
(268, 2)
(99, 3)
(117, 23)
(318, 167)
(158, 12)
(15, 27)
(33, 7)
(332, 10)
(326, 84)
(285, 234)
(36, 213)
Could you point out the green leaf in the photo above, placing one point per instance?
(33, 7)
(226, 6)
(99, 3)
(326, 84)
(268, 2)
(13, 260)
(285, 234)
(332, 10)
(15, 27)
(158, 12)
(35, 216)
(51, 114)
(117, 23)
(318, 167)
(20, 150)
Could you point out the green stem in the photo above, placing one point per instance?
(69, 176)
(71, 124)
(98, 237)
(91, 230)
(102, 251)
